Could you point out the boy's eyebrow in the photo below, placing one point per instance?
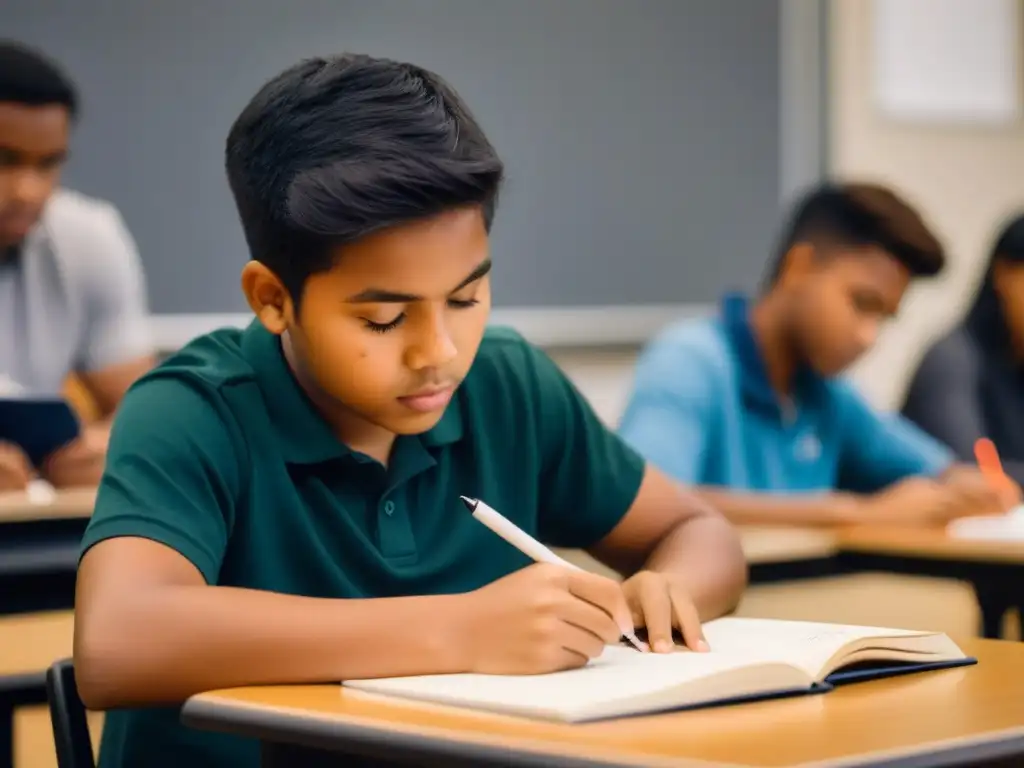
(381, 296)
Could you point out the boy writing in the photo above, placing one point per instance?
(281, 504)
(748, 404)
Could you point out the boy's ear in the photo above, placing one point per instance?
(798, 262)
(267, 297)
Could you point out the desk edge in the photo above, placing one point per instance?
(383, 742)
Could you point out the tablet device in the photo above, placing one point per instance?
(38, 426)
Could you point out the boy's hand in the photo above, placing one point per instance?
(661, 603)
(15, 468)
(920, 501)
(543, 618)
(79, 463)
(976, 494)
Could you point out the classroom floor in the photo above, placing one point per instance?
(875, 599)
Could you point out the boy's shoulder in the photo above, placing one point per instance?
(80, 213)
(86, 235)
(504, 345)
(690, 347)
(506, 362)
(211, 361)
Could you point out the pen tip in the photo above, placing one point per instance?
(470, 503)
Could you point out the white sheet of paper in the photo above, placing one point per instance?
(1008, 527)
(40, 492)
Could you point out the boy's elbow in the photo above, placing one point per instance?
(735, 571)
(99, 661)
(111, 650)
(92, 680)
(736, 582)
(732, 573)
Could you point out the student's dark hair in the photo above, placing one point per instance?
(28, 77)
(335, 149)
(862, 215)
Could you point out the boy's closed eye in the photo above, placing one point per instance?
(462, 296)
(384, 327)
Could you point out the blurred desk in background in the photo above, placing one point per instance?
(39, 549)
(784, 553)
(76, 503)
(995, 569)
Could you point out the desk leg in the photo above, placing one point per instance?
(993, 601)
(6, 737)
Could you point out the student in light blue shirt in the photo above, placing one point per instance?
(747, 405)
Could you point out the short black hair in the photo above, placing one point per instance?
(28, 77)
(862, 215)
(335, 149)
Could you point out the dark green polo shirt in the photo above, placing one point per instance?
(219, 455)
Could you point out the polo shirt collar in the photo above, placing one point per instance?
(306, 437)
(755, 386)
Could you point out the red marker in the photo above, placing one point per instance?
(990, 465)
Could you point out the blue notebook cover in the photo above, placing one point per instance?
(854, 674)
(877, 670)
(39, 427)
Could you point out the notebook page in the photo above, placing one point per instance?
(806, 644)
(1006, 527)
(619, 673)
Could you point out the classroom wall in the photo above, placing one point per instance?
(966, 180)
(585, 100)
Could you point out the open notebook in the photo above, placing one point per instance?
(749, 659)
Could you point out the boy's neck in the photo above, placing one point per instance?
(777, 354)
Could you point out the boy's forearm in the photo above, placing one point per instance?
(705, 553)
(744, 508)
(167, 643)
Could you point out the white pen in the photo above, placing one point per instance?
(526, 544)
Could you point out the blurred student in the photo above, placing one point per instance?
(748, 405)
(72, 297)
(970, 384)
(281, 503)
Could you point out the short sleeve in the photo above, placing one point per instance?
(669, 413)
(116, 311)
(172, 473)
(879, 449)
(589, 476)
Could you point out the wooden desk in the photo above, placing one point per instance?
(28, 646)
(963, 716)
(928, 543)
(995, 569)
(776, 544)
(74, 503)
